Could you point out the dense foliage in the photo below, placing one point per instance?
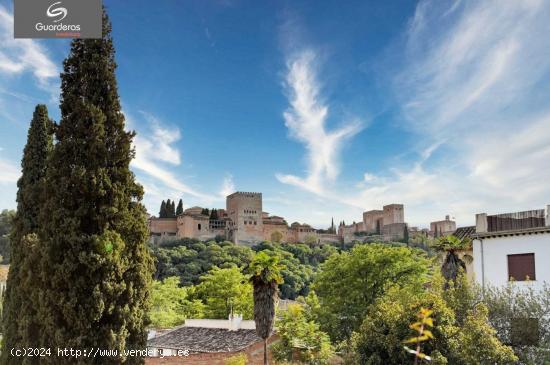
(461, 331)
(225, 291)
(521, 319)
(20, 316)
(171, 304)
(189, 259)
(300, 338)
(95, 261)
(349, 282)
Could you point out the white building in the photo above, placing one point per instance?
(512, 247)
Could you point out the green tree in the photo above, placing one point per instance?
(163, 213)
(214, 214)
(225, 291)
(300, 335)
(448, 247)
(170, 210)
(265, 273)
(179, 209)
(350, 282)
(20, 319)
(458, 338)
(96, 261)
(520, 318)
(171, 305)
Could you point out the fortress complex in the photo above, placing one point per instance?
(387, 224)
(243, 221)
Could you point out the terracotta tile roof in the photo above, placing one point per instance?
(465, 232)
(200, 339)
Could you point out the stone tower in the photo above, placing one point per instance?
(245, 211)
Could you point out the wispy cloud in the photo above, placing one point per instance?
(306, 121)
(472, 81)
(20, 55)
(228, 186)
(156, 157)
(472, 88)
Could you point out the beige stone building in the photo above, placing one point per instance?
(243, 221)
(442, 228)
(388, 223)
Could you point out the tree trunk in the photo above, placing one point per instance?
(265, 351)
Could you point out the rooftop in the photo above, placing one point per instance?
(202, 339)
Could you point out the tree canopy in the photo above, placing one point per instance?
(349, 282)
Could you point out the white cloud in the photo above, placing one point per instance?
(473, 88)
(19, 55)
(228, 186)
(154, 150)
(306, 121)
(9, 172)
(471, 82)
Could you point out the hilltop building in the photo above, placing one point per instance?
(243, 221)
(387, 224)
(442, 228)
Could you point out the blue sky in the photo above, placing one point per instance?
(328, 108)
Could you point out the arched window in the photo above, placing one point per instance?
(199, 226)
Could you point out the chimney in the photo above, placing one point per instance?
(447, 217)
(235, 322)
(481, 223)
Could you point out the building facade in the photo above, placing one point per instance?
(512, 248)
(387, 224)
(442, 228)
(243, 221)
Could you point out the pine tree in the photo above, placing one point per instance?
(20, 320)
(214, 214)
(162, 212)
(96, 261)
(179, 209)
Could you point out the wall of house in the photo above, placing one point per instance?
(491, 261)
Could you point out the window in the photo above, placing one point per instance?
(199, 226)
(521, 267)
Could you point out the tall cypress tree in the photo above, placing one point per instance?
(179, 209)
(173, 209)
(20, 315)
(168, 209)
(162, 212)
(96, 262)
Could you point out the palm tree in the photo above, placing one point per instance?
(266, 276)
(452, 264)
